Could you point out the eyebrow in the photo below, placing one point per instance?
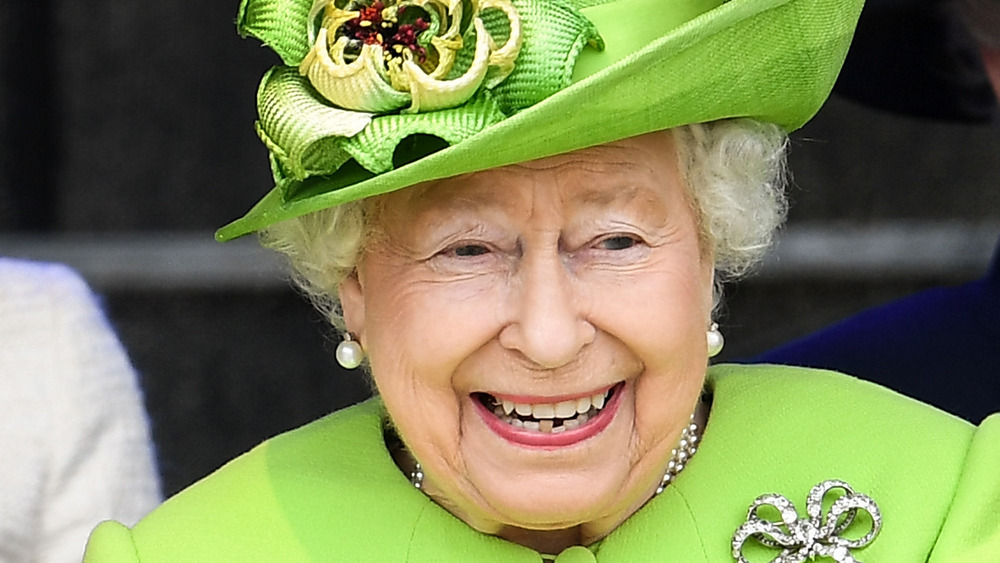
(625, 193)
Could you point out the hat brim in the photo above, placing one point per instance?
(771, 60)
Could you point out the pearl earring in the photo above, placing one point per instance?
(349, 352)
(715, 340)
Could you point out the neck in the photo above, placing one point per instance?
(544, 541)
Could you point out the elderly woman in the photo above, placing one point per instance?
(518, 213)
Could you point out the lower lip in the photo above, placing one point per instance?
(535, 439)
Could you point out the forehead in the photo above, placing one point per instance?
(640, 170)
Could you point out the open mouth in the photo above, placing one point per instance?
(548, 418)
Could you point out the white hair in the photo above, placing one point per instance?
(734, 170)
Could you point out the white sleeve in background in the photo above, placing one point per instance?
(74, 437)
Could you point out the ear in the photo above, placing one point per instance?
(352, 303)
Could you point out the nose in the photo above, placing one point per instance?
(547, 325)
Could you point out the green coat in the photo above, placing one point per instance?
(330, 492)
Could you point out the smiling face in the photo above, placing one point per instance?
(500, 309)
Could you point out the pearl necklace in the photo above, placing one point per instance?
(680, 455)
(679, 458)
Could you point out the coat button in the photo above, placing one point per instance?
(576, 554)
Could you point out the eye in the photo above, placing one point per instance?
(467, 250)
(470, 258)
(617, 242)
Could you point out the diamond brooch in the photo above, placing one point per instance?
(805, 539)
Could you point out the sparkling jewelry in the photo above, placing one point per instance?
(804, 539)
(417, 476)
(715, 340)
(349, 352)
(680, 455)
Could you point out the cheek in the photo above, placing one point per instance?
(430, 325)
(659, 310)
(661, 320)
(418, 332)
(412, 360)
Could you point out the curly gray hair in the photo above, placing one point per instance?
(734, 170)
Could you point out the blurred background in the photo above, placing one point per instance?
(126, 138)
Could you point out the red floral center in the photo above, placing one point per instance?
(375, 26)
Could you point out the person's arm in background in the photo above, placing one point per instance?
(73, 429)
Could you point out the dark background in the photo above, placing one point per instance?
(127, 117)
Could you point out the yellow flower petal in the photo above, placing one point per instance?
(430, 94)
(447, 49)
(357, 86)
(333, 17)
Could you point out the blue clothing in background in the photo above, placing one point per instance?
(941, 346)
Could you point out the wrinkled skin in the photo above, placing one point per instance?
(545, 279)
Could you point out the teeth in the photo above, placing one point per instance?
(543, 411)
(549, 417)
(566, 409)
(597, 399)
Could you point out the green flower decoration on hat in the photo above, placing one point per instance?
(370, 56)
(382, 83)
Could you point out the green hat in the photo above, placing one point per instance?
(378, 95)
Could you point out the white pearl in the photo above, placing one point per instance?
(715, 342)
(349, 354)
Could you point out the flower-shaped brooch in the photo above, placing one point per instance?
(802, 539)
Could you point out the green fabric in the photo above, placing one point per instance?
(664, 64)
(632, 25)
(307, 137)
(282, 25)
(555, 35)
(302, 133)
(330, 492)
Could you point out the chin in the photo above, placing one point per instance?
(552, 502)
